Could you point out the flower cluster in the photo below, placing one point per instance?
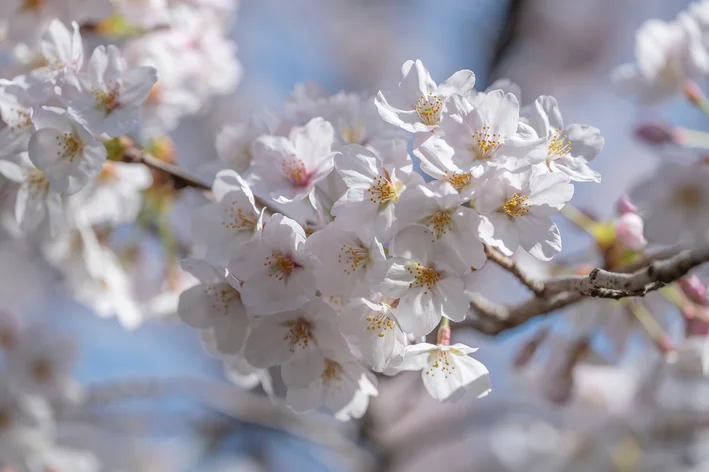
(669, 56)
(373, 259)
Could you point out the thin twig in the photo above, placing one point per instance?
(536, 286)
(181, 177)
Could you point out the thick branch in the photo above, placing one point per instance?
(561, 292)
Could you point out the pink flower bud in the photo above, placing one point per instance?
(629, 229)
(654, 133)
(695, 290)
(624, 205)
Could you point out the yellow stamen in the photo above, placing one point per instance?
(424, 277)
(516, 206)
(429, 109)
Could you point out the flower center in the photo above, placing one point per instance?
(354, 134)
(220, 296)
(300, 332)
(485, 143)
(238, 219)
(333, 371)
(558, 146)
(352, 257)
(689, 196)
(20, 122)
(37, 182)
(107, 100)
(379, 322)
(429, 109)
(424, 277)
(439, 363)
(459, 181)
(382, 190)
(70, 146)
(41, 369)
(439, 224)
(516, 206)
(294, 169)
(35, 5)
(281, 265)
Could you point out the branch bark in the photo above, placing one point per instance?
(493, 318)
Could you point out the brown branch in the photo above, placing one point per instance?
(180, 177)
(557, 293)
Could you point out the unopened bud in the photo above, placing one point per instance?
(654, 133)
(694, 289)
(693, 93)
(444, 335)
(629, 230)
(624, 205)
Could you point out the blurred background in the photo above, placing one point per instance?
(564, 48)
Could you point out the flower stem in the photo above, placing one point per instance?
(579, 218)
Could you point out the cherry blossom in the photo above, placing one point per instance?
(108, 96)
(673, 204)
(568, 149)
(214, 304)
(417, 103)
(287, 169)
(373, 333)
(519, 206)
(274, 271)
(447, 371)
(374, 185)
(426, 278)
(64, 150)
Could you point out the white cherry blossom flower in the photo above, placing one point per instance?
(16, 102)
(34, 199)
(115, 195)
(108, 97)
(374, 184)
(41, 363)
(64, 150)
(667, 55)
(282, 337)
(235, 143)
(339, 380)
(229, 223)
(63, 50)
(427, 278)
(417, 104)
(276, 270)
(474, 140)
(674, 204)
(346, 260)
(287, 169)
(568, 149)
(438, 208)
(26, 424)
(373, 333)
(519, 206)
(214, 304)
(447, 371)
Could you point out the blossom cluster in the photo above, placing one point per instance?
(669, 56)
(377, 257)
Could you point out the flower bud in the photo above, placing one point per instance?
(624, 205)
(694, 289)
(654, 133)
(629, 230)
